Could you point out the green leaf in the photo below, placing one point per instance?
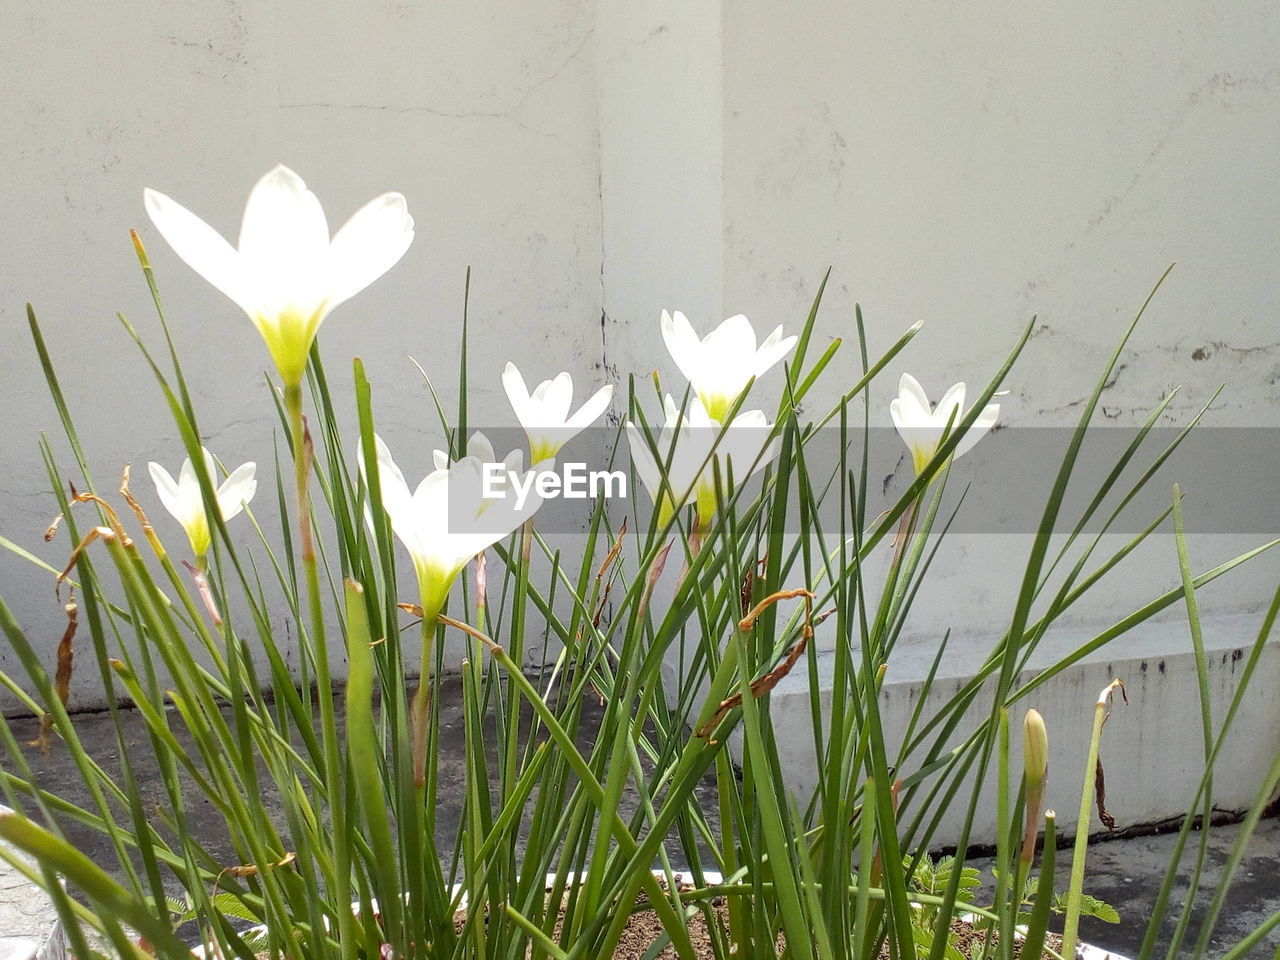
(1090, 906)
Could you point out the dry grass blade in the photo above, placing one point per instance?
(771, 679)
(147, 529)
(62, 679)
(1099, 787)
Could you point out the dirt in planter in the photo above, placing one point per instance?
(644, 929)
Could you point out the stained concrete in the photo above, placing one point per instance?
(1151, 742)
(26, 915)
(1127, 874)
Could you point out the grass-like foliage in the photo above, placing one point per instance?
(347, 859)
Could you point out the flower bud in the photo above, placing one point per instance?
(1035, 750)
(1035, 763)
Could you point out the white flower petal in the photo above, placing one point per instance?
(770, 454)
(986, 420)
(396, 499)
(169, 492)
(682, 342)
(773, 338)
(903, 412)
(516, 390)
(514, 462)
(476, 522)
(915, 423)
(750, 419)
(188, 482)
(671, 411)
(921, 441)
(950, 407)
(910, 391)
(422, 521)
(284, 246)
(237, 490)
(210, 467)
(771, 353)
(644, 461)
(556, 396)
(734, 334)
(368, 245)
(428, 490)
(202, 247)
(283, 222)
(480, 447)
(590, 411)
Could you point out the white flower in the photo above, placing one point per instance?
(447, 520)
(691, 448)
(183, 499)
(924, 427)
(544, 414)
(721, 364)
(287, 274)
(481, 449)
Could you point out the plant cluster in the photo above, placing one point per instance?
(674, 622)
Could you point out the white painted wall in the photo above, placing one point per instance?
(484, 119)
(964, 164)
(972, 164)
(662, 171)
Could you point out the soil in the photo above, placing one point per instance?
(644, 929)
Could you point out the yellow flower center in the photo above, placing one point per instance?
(197, 527)
(289, 336)
(717, 405)
(542, 448)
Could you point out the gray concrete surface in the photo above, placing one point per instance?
(25, 908)
(1125, 873)
(29, 928)
(1152, 772)
(26, 915)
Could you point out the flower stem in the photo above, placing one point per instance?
(420, 708)
(421, 820)
(302, 455)
(1075, 891)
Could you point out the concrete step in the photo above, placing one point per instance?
(29, 927)
(1152, 748)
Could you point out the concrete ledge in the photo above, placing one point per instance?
(29, 925)
(1152, 749)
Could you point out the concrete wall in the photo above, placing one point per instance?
(484, 119)
(972, 164)
(964, 164)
